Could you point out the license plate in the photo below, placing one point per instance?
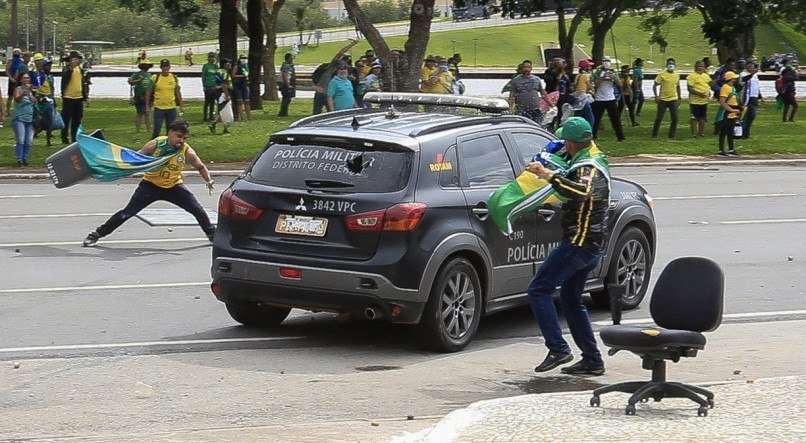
(301, 225)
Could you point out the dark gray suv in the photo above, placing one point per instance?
(383, 212)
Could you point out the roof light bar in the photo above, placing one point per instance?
(496, 105)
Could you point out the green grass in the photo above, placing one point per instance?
(115, 117)
(796, 40)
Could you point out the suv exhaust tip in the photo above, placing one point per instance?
(371, 314)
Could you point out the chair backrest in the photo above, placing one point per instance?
(689, 295)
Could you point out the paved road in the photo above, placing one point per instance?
(126, 339)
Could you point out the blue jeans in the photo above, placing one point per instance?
(163, 115)
(24, 135)
(567, 266)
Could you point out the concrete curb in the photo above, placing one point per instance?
(621, 163)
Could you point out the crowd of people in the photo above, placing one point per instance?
(597, 88)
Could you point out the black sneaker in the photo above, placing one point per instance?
(722, 154)
(554, 359)
(91, 240)
(584, 367)
(734, 153)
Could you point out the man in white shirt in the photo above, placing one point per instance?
(606, 80)
(751, 96)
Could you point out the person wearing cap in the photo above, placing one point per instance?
(728, 114)
(322, 76)
(141, 83)
(638, 85)
(45, 101)
(75, 93)
(14, 66)
(699, 92)
(164, 98)
(37, 69)
(445, 76)
(373, 82)
(164, 183)
(340, 90)
(583, 88)
(584, 230)
(669, 97)
(240, 88)
(211, 92)
(526, 93)
(606, 81)
(429, 76)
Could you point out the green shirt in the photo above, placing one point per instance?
(144, 85)
(209, 71)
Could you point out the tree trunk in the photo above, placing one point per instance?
(374, 39)
(601, 22)
(422, 12)
(243, 23)
(566, 35)
(227, 30)
(14, 36)
(40, 26)
(254, 11)
(270, 13)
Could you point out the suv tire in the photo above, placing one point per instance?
(257, 315)
(630, 265)
(453, 312)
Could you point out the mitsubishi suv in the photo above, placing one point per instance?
(383, 212)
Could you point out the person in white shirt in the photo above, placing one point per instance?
(751, 96)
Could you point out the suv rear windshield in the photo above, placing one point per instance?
(332, 168)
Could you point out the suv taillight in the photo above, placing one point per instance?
(231, 206)
(400, 218)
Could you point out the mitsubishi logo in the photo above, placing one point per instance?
(301, 205)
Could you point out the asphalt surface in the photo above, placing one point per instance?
(137, 309)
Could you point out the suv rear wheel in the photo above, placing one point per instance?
(629, 267)
(257, 315)
(453, 311)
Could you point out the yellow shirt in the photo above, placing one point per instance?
(44, 88)
(698, 83)
(732, 100)
(170, 174)
(426, 75)
(668, 82)
(581, 82)
(73, 89)
(165, 91)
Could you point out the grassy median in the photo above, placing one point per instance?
(115, 117)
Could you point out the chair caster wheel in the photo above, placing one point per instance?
(702, 411)
(595, 401)
(630, 410)
(710, 403)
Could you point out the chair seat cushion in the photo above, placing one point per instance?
(650, 338)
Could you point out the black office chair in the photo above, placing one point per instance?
(686, 301)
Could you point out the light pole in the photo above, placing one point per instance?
(475, 41)
(54, 37)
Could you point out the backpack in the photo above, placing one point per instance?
(779, 85)
(160, 75)
(318, 72)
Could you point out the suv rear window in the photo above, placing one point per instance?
(333, 168)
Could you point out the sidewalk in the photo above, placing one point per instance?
(761, 411)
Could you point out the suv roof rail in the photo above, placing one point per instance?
(493, 105)
(328, 115)
(470, 121)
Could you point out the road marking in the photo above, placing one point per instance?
(105, 287)
(116, 242)
(90, 214)
(143, 344)
(758, 222)
(23, 196)
(706, 197)
(636, 321)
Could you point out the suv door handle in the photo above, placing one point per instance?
(547, 214)
(481, 211)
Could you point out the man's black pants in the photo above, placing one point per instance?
(147, 193)
(599, 107)
(319, 102)
(72, 113)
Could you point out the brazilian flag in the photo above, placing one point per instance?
(109, 161)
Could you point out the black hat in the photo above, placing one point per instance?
(165, 62)
(75, 54)
(344, 65)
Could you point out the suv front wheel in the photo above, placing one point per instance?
(257, 315)
(630, 267)
(453, 311)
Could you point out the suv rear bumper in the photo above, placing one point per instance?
(319, 289)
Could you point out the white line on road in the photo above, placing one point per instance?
(705, 197)
(635, 321)
(145, 344)
(23, 196)
(90, 214)
(758, 222)
(105, 287)
(117, 242)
